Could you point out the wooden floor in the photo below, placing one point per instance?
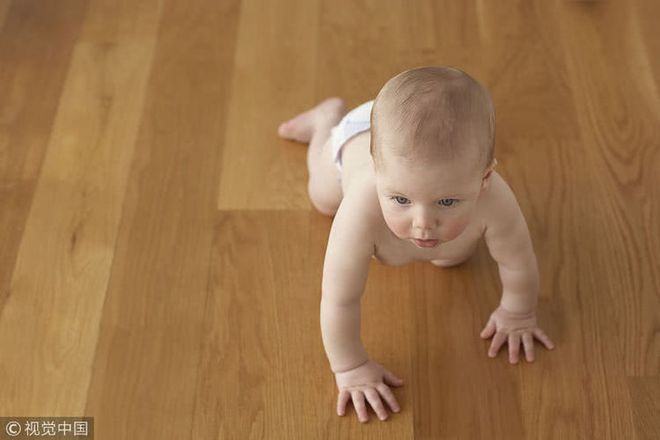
(160, 261)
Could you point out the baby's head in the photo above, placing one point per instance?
(432, 145)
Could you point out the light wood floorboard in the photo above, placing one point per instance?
(160, 266)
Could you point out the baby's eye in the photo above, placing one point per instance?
(443, 202)
(447, 203)
(398, 198)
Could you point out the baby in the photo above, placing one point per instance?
(410, 176)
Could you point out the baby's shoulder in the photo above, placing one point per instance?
(498, 201)
(354, 225)
(495, 188)
(360, 203)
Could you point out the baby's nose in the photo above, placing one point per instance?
(426, 225)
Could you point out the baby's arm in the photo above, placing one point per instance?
(345, 269)
(509, 243)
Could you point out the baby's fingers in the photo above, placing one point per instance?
(388, 395)
(391, 379)
(528, 342)
(540, 334)
(488, 331)
(342, 400)
(376, 404)
(360, 406)
(498, 341)
(514, 347)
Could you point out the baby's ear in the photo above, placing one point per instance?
(490, 170)
(485, 181)
(491, 167)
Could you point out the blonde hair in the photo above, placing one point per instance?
(434, 112)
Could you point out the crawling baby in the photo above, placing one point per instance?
(410, 176)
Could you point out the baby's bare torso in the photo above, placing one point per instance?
(357, 167)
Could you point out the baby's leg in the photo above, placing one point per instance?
(314, 126)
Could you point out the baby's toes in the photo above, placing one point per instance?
(299, 128)
(285, 130)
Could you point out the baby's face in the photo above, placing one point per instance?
(428, 201)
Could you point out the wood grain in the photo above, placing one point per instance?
(273, 76)
(63, 266)
(160, 267)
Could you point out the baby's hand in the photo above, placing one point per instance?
(514, 325)
(367, 380)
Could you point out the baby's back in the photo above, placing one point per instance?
(356, 161)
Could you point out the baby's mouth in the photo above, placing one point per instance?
(426, 243)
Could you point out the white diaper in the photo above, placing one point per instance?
(353, 123)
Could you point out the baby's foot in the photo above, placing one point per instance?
(302, 126)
